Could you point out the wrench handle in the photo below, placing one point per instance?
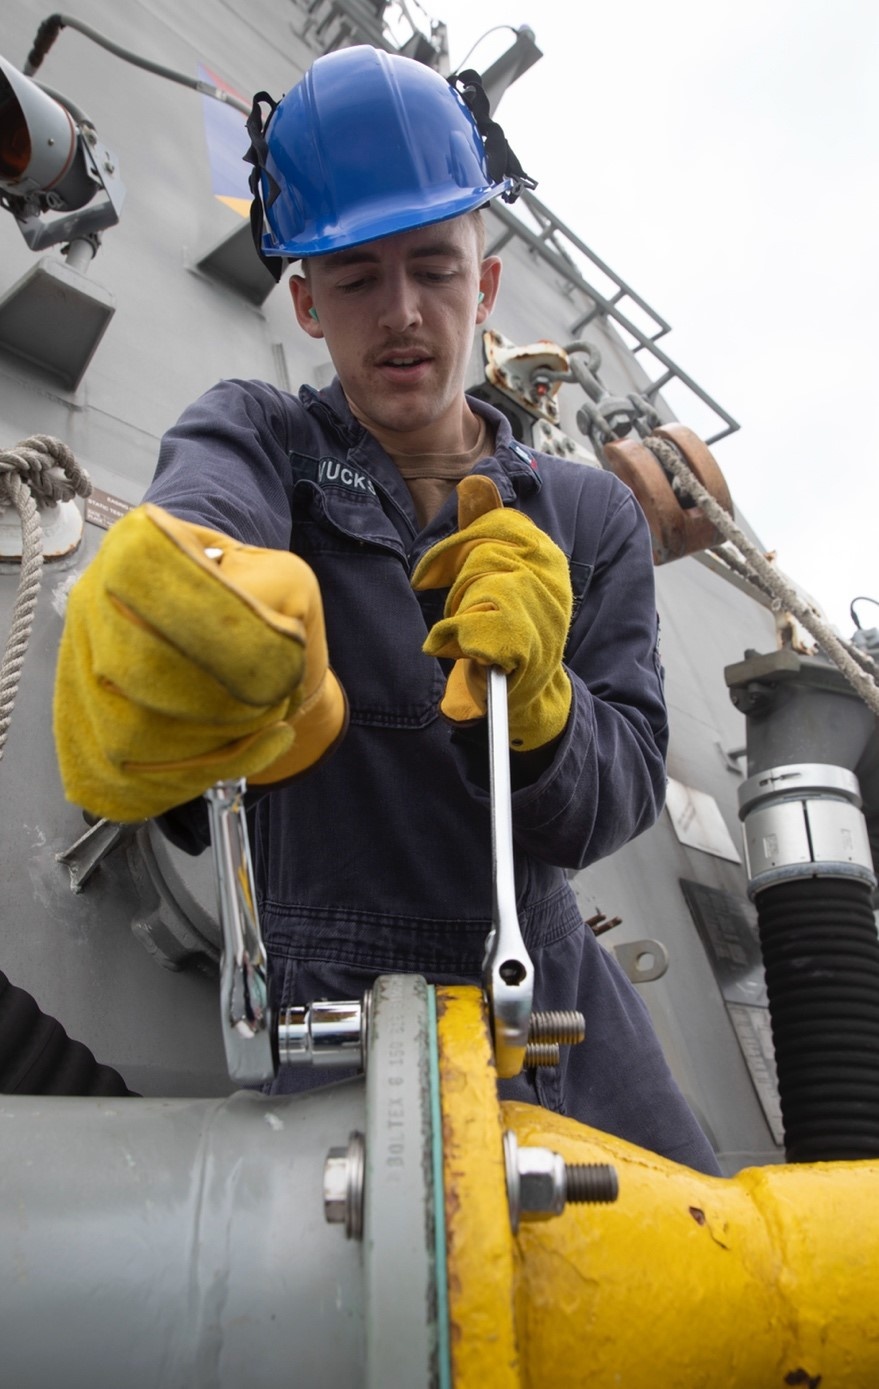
(244, 1004)
(508, 974)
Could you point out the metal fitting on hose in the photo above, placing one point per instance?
(804, 821)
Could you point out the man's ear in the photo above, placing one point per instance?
(303, 306)
(489, 284)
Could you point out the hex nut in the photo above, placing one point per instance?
(336, 1186)
(542, 1183)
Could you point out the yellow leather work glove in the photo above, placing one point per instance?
(509, 605)
(176, 670)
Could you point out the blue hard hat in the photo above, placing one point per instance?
(369, 144)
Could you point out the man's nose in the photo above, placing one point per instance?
(401, 305)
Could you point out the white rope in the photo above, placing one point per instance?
(38, 468)
(859, 670)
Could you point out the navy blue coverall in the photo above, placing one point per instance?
(378, 860)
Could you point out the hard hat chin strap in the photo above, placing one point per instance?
(257, 155)
(500, 160)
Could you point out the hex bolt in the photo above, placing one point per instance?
(564, 1029)
(540, 1183)
(343, 1186)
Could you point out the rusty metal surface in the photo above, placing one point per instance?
(677, 530)
(527, 374)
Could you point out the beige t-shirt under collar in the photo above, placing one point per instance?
(431, 477)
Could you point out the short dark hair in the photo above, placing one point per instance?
(477, 216)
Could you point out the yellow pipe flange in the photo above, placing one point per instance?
(479, 1239)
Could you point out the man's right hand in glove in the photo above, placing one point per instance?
(188, 658)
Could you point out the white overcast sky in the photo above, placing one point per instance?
(723, 157)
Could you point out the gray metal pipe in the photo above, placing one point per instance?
(168, 1244)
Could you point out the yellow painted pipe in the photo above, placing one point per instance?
(770, 1278)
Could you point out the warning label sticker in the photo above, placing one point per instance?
(102, 508)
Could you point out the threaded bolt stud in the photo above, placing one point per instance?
(562, 1028)
(591, 1182)
(541, 1054)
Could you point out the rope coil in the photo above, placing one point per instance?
(38, 471)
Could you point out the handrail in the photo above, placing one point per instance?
(546, 246)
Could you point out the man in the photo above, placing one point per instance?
(197, 642)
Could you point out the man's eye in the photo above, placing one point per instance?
(351, 286)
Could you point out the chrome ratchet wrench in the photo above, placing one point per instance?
(245, 1016)
(507, 971)
(507, 974)
(244, 1000)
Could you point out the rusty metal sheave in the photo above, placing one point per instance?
(676, 531)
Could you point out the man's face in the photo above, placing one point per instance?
(398, 317)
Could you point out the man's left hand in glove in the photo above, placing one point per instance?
(509, 605)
